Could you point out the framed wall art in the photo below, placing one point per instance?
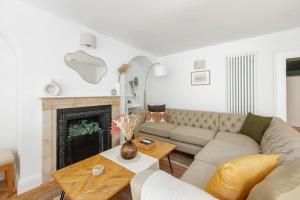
(200, 77)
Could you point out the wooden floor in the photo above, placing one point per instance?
(180, 161)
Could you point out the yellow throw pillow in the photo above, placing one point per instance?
(234, 179)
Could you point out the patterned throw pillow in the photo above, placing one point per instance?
(156, 117)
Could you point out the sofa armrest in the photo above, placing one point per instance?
(141, 113)
(137, 182)
(160, 185)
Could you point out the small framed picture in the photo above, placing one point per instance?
(200, 77)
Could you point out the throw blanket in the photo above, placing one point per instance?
(162, 186)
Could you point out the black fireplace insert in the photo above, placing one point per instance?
(82, 132)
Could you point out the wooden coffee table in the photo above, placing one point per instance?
(158, 151)
(78, 182)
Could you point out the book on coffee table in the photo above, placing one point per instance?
(146, 143)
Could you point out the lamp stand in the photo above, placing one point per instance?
(146, 81)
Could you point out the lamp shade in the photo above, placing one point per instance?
(160, 70)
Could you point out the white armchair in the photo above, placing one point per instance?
(159, 185)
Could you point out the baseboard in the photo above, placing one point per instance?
(28, 183)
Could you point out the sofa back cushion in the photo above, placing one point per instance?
(198, 119)
(255, 126)
(280, 138)
(157, 108)
(231, 122)
(281, 182)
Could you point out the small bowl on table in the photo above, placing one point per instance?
(97, 170)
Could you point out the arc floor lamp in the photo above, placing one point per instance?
(159, 71)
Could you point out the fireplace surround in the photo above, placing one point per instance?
(71, 149)
(50, 106)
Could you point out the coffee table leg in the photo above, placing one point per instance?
(170, 163)
(62, 195)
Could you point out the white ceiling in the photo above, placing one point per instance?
(168, 26)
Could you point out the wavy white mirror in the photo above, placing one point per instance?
(90, 68)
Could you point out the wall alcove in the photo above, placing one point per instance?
(135, 83)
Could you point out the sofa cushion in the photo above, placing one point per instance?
(217, 152)
(197, 119)
(156, 117)
(160, 129)
(238, 139)
(198, 173)
(180, 146)
(235, 178)
(255, 126)
(279, 183)
(157, 108)
(231, 122)
(192, 135)
(280, 138)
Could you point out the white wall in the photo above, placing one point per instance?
(293, 100)
(42, 40)
(176, 91)
(8, 100)
(8, 88)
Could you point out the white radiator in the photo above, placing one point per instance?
(240, 71)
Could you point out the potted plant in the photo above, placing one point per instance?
(84, 138)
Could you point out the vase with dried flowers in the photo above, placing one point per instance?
(127, 124)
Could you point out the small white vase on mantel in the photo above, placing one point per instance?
(52, 88)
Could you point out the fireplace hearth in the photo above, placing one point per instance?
(82, 132)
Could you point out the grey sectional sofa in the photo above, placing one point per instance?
(190, 130)
(214, 138)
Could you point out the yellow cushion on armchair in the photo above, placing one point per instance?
(234, 179)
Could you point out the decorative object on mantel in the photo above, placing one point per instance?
(127, 124)
(123, 70)
(90, 68)
(200, 77)
(52, 88)
(199, 64)
(116, 90)
(113, 92)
